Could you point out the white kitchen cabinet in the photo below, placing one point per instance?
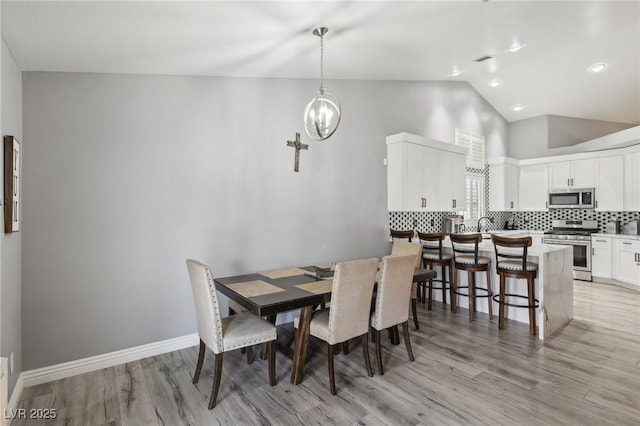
(609, 183)
(411, 177)
(533, 193)
(424, 175)
(572, 174)
(631, 182)
(601, 256)
(626, 261)
(452, 172)
(503, 186)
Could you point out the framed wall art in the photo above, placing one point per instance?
(11, 184)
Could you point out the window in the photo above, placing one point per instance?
(475, 197)
(475, 148)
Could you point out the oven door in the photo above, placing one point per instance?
(581, 256)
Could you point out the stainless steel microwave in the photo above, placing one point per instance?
(572, 198)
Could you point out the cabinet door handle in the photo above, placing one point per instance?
(601, 241)
(596, 204)
(511, 202)
(626, 243)
(593, 251)
(546, 204)
(568, 182)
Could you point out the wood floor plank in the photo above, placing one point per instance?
(464, 373)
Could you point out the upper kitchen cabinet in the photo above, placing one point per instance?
(533, 187)
(609, 183)
(631, 181)
(424, 175)
(572, 174)
(503, 185)
(452, 174)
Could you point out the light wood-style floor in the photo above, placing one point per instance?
(464, 373)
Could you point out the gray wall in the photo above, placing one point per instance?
(538, 136)
(10, 284)
(126, 176)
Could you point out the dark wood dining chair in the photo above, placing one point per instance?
(222, 335)
(510, 264)
(349, 313)
(432, 257)
(392, 301)
(466, 258)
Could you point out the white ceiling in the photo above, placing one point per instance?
(368, 40)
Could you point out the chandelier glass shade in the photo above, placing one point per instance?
(322, 114)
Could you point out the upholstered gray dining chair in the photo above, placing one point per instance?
(348, 316)
(392, 300)
(403, 248)
(225, 334)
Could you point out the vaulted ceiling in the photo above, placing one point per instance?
(368, 40)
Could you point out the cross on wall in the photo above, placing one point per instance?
(298, 146)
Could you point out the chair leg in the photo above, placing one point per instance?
(454, 287)
(332, 378)
(444, 291)
(271, 355)
(472, 293)
(365, 353)
(501, 303)
(444, 284)
(196, 376)
(490, 292)
(378, 352)
(419, 291)
(250, 356)
(430, 294)
(345, 347)
(216, 380)
(532, 310)
(414, 311)
(407, 342)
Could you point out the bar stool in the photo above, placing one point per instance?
(432, 257)
(405, 235)
(466, 258)
(515, 266)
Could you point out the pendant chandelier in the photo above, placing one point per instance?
(322, 115)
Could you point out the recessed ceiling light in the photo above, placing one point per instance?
(517, 107)
(597, 67)
(495, 83)
(455, 73)
(515, 47)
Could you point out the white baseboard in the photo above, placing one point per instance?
(15, 396)
(98, 362)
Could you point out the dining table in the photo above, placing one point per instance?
(269, 293)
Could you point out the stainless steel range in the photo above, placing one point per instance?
(575, 233)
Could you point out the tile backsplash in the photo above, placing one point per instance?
(535, 221)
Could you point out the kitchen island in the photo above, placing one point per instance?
(554, 284)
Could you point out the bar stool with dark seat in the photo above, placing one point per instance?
(466, 258)
(432, 257)
(515, 266)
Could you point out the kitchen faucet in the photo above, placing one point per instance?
(490, 219)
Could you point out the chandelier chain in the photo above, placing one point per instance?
(321, 63)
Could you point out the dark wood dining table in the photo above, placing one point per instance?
(272, 292)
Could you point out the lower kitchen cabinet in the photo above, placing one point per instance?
(601, 257)
(626, 261)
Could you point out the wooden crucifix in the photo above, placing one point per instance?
(298, 146)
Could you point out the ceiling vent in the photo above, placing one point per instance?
(483, 58)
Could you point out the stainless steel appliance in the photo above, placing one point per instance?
(633, 228)
(613, 227)
(453, 224)
(575, 233)
(572, 198)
